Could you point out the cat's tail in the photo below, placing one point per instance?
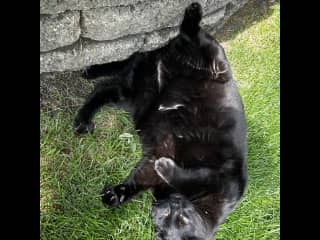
(192, 17)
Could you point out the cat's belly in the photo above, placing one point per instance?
(190, 148)
(190, 138)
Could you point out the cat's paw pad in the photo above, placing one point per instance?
(165, 168)
(109, 197)
(122, 192)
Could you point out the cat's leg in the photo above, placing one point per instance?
(105, 92)
(151, 174)
(202, 178)
(157, 141)
(181, 178)
(143, 177)
(117, 87)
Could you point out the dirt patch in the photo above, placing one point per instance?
(63, 91)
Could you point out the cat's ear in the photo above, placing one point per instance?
(220, 70)
(192, 17)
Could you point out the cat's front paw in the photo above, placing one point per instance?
(81, 127)
(114, 196)
(110, 197)
(165, 168)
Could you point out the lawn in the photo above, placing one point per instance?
(74, 169)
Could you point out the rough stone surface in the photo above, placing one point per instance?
(58, 6)
(115, 22)
(234, 6)
(90, 32)
(88, 53)
(212, 5)
(59, 30)
(210, 21)
(158, 38)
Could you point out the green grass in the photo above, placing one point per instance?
(74, 169)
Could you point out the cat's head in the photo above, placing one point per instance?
(176, 218)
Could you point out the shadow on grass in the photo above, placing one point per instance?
(252, 12)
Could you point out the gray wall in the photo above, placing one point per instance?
(75, 34)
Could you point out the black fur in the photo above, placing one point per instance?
(190, 118)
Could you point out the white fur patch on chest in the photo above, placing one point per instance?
(172, 107)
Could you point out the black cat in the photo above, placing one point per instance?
(190, 118)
